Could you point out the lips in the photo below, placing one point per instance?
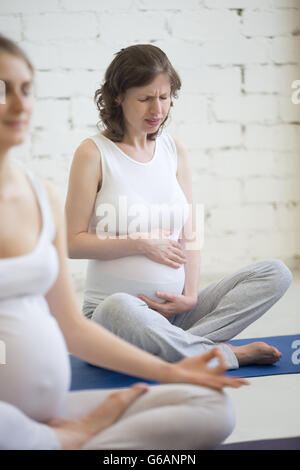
(153, 122)
(15, 124)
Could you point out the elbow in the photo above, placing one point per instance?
(71, 248)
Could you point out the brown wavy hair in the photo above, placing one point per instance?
(133, 66)
(6, 45)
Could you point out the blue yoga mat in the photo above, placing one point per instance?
(288, 345)
(86, 376)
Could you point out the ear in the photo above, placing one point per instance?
(118, 100)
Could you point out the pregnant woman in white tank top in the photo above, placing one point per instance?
(129, 212)
(40, 323)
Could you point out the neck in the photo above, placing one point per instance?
(135, 140)
(5, 167)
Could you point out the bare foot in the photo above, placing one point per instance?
(73, 433)
(256, 353)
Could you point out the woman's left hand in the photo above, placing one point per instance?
(174, 304)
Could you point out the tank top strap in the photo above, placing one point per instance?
(167, 141)
(43, 199)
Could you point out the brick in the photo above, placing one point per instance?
(52, 114)
(167, 4)
(43, 56)
(182, 54)
(287, 164)
(216, 135)
(215, 80)
(243, 163)
(92, 55)
(59, 143)
(229, 249)
(95, 5)
(289, 112)
(271, 190)
(53, 85)
(30, 6)
(283, 244)
(236, 51)
(147, 27)
(212, 191)
(190, 108)
(285, 50)
(275, 23)
(198, 25)
(60, 26)
(285, 4)
(64, 84)
(270, 78)
(83, 112)
(243, 218)
(253, 108)
(287, 217)
(276, 137)
(240, 4)
(11, 27)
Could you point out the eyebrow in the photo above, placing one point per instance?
(9, 82)
(150, 96)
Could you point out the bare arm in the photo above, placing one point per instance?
(189, 232)
(84, 181)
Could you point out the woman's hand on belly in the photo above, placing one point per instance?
(158, 247)
(174, 304)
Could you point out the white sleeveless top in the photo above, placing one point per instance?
(36, 375)
(135, 197)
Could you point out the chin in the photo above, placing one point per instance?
(16, 138)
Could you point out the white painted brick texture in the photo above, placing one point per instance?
(237, 60)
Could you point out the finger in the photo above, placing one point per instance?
(219, 382)
(234, 382)
(166, 260)
(166, 296)
(152, 304)
(176, 245)
(176, 258)
(222, 366)
(178, 251)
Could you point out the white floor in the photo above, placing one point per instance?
(270, 406)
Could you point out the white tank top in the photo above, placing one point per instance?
(135, 197)
(36, 375)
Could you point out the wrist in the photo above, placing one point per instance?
(139, 242)
(191, 295)
(169, 373)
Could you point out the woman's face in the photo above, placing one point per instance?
(16, 111)
(146, 107)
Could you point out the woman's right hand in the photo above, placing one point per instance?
(74, 433)
(196, 370)
(158, 247)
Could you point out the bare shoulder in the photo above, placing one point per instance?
(88, 152)
(180, 147)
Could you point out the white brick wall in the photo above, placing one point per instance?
(237, 60)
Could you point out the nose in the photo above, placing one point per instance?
(156, 107)
(18, 103)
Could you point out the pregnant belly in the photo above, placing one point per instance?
(36, 376)
(133, 275)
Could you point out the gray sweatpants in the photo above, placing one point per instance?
(224, 308)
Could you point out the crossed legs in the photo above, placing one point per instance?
(224, 308)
